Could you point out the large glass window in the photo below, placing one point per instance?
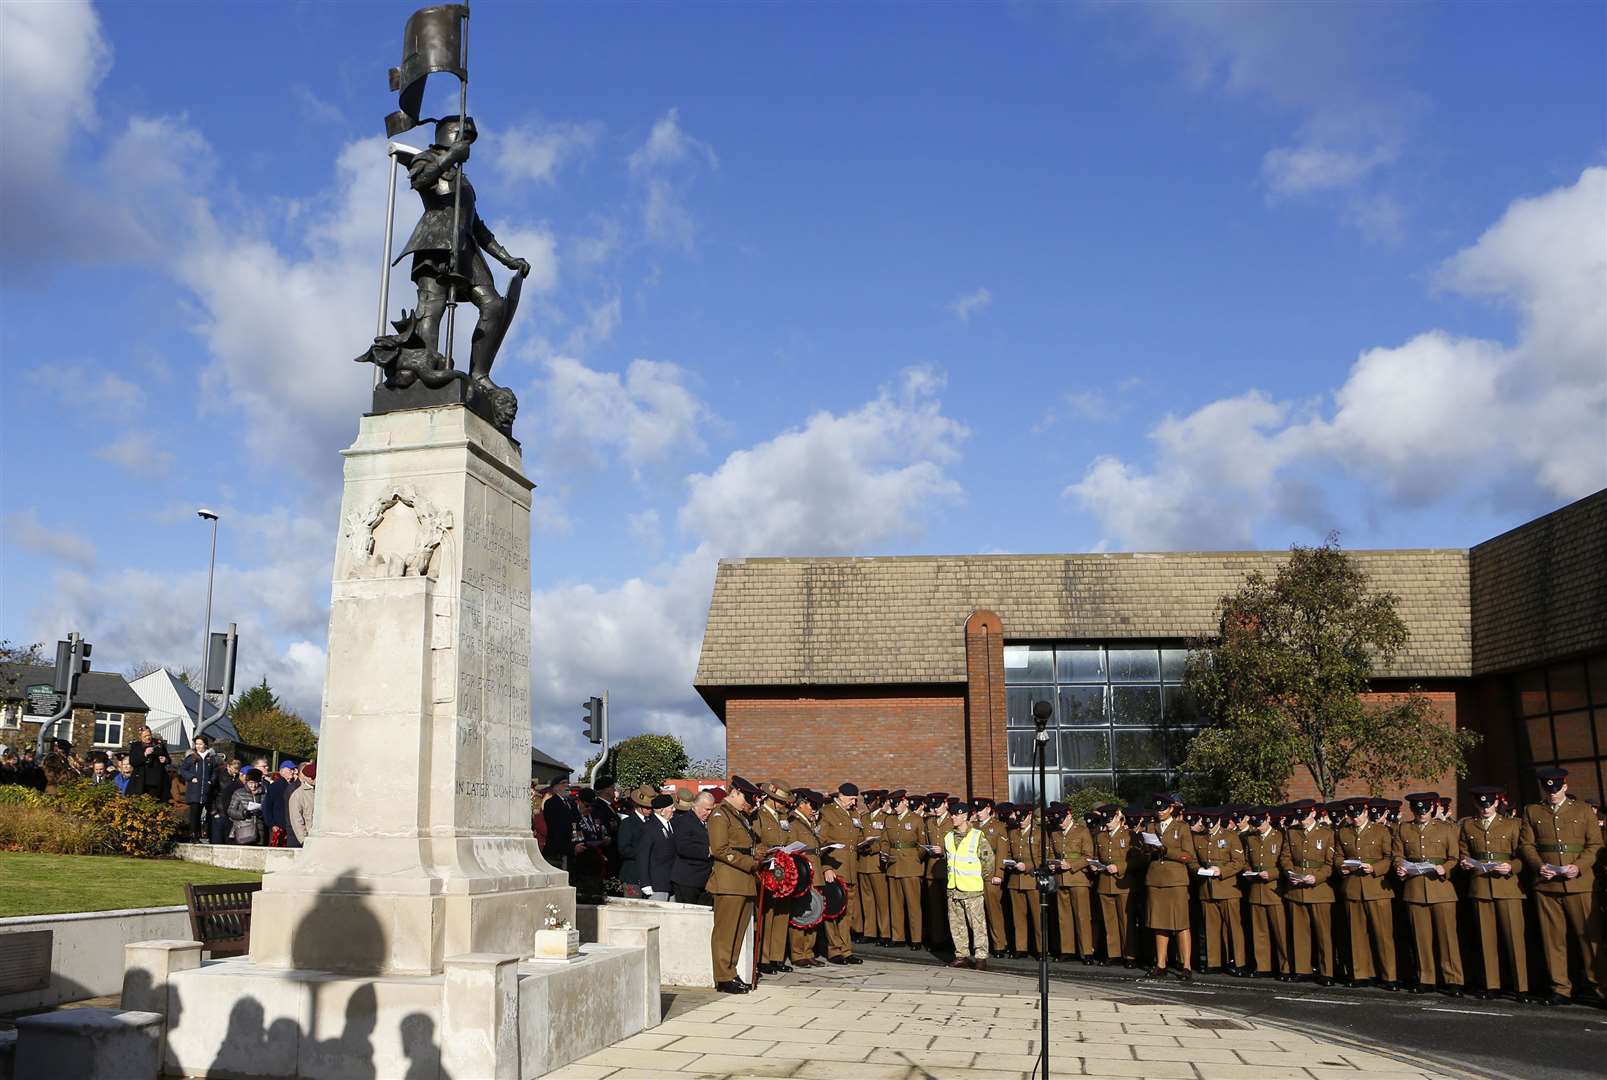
(1121, 718)
(108, 729)
(1559, 728)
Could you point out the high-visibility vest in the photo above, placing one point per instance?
(965, 862)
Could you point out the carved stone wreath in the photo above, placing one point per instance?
(433, 524)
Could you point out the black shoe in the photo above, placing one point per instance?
(1154, 973)
(767, 968)
(1286, 976)
(734, 986)
(1451, 990)
(1261, 974)
(1187, 975)
(980, 965)
(1421, 988)
(1323, 980)
(916, 946)
(851, 959)
(1209, 970)
(1392, 987)
(959, 962)
(740, 981)
(838, 960)
(1555, 999)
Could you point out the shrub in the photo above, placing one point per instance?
(48, 830)
(17, 795)
(129, 826)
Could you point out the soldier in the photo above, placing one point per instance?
(937, 874)
(1561, 842)
(1425, 854)
(998, 838)
(774, 830)
(1072, 845)
(1488, 845)
(1220, 853)
(968, 864)
(1364, 856)
(840, 823)
(732, 842)
(1166, 884)
(1262, 846)
(805, 816)
(904, 835)
(1020, 883)
(1117, 868)
(1307, 864)
(874, 856)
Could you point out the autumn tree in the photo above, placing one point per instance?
(263, 721)
(1285, 683)
(645, 759)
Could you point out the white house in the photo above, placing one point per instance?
(173, 709)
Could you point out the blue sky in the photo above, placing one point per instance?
(882, 278)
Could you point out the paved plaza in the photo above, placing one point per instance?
(888, 1021)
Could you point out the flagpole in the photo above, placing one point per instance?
(457, 188)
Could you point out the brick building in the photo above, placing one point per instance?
(107, 713)
(921, 671)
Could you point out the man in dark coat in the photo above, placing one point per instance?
(692, 861)
(150, 759)
(661, 852)
(634, 842)
(560, 814)
(276, 806)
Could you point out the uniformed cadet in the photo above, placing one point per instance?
(1020, 884)
(1488, 845)
(805, 816)
(904, 835)
(1307, 864)
(1430, 845)
(1117, 872)
(731, 882)
(876, 916)
(840, 823)
(1262, 846)
(1220, 855)
(1561, 842)
(1166, 885)
(998, 838)
(936, 873)
(1072, 846)
(1364, 857)
(773, 828)
(968, 864)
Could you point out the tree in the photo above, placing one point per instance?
(276, 729)
(1284, 683)
(645, 759)
(256, 699)
(709, 767)
(32, 654)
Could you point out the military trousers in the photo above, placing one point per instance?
(732, 915)
(968, 924)
(839, 941)
(1224, 931)
(1372, 934)
(904, 896)
(776, 913)
(1564, 915)
(1074, 918)
(1116, 914)
(1308, 924)
(993, 904)
(1269, 936)
(878, 916)
(1434, 932)
(1024, 919)
(1501, 933)
(802, 942)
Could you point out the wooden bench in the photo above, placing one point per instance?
(220, 916)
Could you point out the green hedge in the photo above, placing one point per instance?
(87, 819)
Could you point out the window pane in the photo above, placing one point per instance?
(1531, 693)
(1135, 665)
(1583, 780)
(1135, 705)
(1173, 664)
(1139, 750)
(1540, 749)
(1024, 787)
(1601, 732)
(1573, 735)
(1567, 687)
(1597, 666)
(1080, 663)
(1085, 749)
(1021, 750)
(1029, 663)
(1177, 745)
(1018, 701)
(1083, 706)
(1074, 782)
(1131, 787)
(1181, 707)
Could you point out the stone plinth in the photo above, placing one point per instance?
(108, 1044)
(683, 935)
(421, 847)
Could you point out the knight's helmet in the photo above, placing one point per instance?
(446, 125)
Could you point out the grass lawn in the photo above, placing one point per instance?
(51, 884)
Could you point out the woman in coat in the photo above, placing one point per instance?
(245, 810)
(199, 774)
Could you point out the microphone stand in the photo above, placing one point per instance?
(1047, 885)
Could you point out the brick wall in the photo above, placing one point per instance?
(986, 750)
(1443, 702)
(913, 739)
(80, 731)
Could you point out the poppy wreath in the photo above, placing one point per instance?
(780, 879)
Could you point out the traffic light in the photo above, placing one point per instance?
(594, 719)
(84, 649)
(64, 666)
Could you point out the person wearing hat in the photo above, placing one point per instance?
(773, 824)
(276, 803)
(875, 902)
(938, 825)
(659, 828)
(1425, 854)
(634, 841)
(985, 820)
(1220, 854)
(968, 863)
(1072, 846)
(840, 824)
(299, 807)
(1021, 882)
(904, 835)
(802, 829)
(1307, 865)
(1561, 842)
(1118, 872)
(1269, 940)
(735, 858)
(1488, 845)
(1365, 856)
(1166, 885)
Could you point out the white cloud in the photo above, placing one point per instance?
(971, 303)
(26, 531)
(1301, 170)
(665, 164)
(80, 389)
(1437, 417)
(535, 154)
(52, 58)
(315, 108)
(536, 246)
(138, 452)
(642, 416)
(669, 144)
(647, 528)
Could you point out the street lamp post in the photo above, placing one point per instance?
(206, 634)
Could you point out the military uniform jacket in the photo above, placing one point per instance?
(1174, 863)
(1308, 853)
(936, 829)
(1074, 846)
(731, 850)
(998, 837)
(1568, 834)
(873, 825)
(1023, 849)
(1433, 842)
(837, 827)
(1224, 850)
(1261, 853)
(802, 830)
(904, 837)
(1374, 844)
(772, 830)
(1116, 849)
(1496, 842)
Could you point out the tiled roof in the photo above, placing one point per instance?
(836, 621)
(1540, 591)
(106, 690)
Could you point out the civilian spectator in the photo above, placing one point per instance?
(604, 811)
(560, 816)
(29, 774)
(299, 808)
(245, 810)
(275, 805)
(100, 771)
(692, 861)
(8, 767)
(634, 841)
(661, 853)
(229, 782)
(199, 772)
(125, 776)
(151, 762)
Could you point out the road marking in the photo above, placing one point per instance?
(1469, 1012)
(1180, 990)
(1318, 1001)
